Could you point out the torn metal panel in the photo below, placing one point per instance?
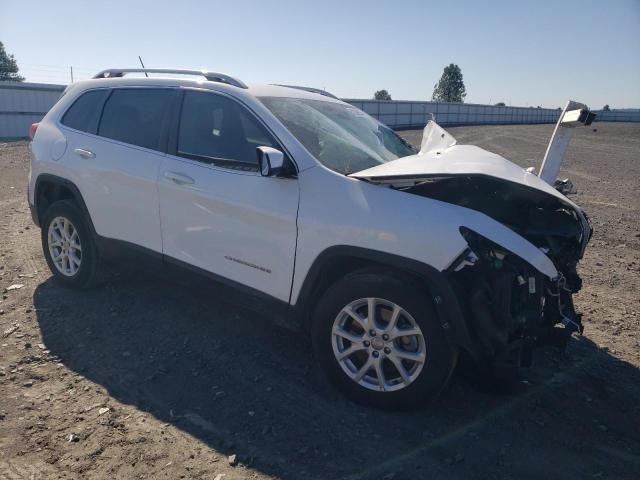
(573, 115)
(435, 138)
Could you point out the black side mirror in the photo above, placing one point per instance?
(271, 161)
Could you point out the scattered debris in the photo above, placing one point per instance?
(233, 460)
(91, 407)
(72, 437)
(10, 330)
(103, 410)
(15, 286)
(220, 476)
(565, 186)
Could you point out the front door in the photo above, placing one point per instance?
(217, 212)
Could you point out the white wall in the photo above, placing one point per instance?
(22, 104)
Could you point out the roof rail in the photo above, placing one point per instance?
(310, 90)
(211, 76)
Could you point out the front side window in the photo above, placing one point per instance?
(218, 130)
(136, 116)
(341, 137)
(84, 114)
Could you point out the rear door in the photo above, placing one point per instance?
(115, 163)
(217, 212)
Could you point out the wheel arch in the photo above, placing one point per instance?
(52, 188)
(338, 261)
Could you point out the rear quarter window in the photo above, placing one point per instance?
(84, 113)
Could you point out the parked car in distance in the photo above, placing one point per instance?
(393, 260)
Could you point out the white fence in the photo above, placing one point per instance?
(22, 104)
(408, 114)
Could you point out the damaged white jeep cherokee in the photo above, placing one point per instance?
(394, 260)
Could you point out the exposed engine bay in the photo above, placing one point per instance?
(510, 306)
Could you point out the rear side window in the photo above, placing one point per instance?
(218, 130)
(85, 111)
(136, 116)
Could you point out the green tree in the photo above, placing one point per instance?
(451, 87)
(8, 67)
(606, 108)
(381, 95)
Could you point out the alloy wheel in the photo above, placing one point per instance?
(378, 344)
(64, 246)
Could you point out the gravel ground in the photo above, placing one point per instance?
(149, 378)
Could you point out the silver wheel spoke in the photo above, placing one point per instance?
(75, 260)
(406, 332)
(363, 370)
(355, 347)
(357, 318)
(393, 321)
(413, 356)
(382, 383)
(400, 368)
(371, 312)
(75, 241)
(341, 332)
(65, 229)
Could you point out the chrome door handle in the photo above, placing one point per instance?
(179, 178)
(84, 153)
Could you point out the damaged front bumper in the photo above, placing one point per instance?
(509, 306)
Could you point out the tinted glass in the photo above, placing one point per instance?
(218, 130)
(136, 116)
(85, 111)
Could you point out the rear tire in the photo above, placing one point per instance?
(407, 363)
(69, 246)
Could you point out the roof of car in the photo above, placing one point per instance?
(291, 92)
(211, 80)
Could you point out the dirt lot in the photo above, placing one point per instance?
(148, 378)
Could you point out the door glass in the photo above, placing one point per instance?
(217, 130)
(136, 116)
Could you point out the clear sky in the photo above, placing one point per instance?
(536, 52)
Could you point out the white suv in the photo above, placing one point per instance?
(394, 260)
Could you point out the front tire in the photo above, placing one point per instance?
(380, 342)
(68, 245)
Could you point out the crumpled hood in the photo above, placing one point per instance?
(466, 160)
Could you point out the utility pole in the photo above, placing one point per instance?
(71, 74)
